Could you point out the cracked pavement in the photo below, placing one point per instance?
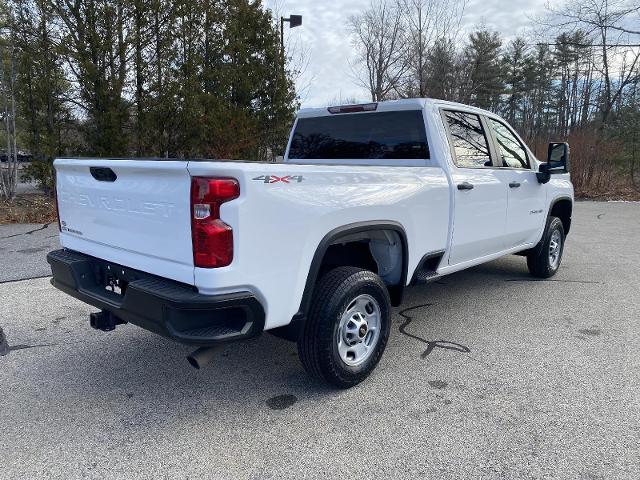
(23, 250)
(488, 374)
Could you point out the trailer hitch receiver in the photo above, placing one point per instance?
(104, 320)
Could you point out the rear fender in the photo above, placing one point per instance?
(351, 232)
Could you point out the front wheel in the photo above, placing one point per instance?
(544, 260)
(348, 327)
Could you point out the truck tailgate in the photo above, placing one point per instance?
(132, 212)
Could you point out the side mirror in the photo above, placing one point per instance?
(558, 158)
(557, 161)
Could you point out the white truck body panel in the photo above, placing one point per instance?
(479, 219)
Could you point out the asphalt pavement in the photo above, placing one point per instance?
(23, 250)
(489, 373)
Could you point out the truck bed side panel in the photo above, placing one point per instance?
(279, 220)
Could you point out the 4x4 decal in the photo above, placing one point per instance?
(276, 179)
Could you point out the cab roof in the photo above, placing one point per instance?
(393, 105)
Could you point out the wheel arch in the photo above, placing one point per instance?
(352, 232)
(562, 207)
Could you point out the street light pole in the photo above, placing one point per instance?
(294, 21)
(282, 40)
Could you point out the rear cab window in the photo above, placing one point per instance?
(394, 135)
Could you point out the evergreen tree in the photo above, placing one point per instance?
(440, 70)
(151, 78)
(484, 82)
(538, 77)
(42, 87)
(514, 65)
(94, 43)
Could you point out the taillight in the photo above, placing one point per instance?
(212, 238)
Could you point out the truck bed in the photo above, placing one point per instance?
(142, 218)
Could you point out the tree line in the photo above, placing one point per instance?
(207, 78)
(187, 78)
(576, 80)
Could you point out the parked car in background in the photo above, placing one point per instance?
(22, 156)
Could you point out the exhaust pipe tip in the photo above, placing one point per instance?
(202, 356)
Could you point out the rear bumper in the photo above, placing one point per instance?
(168, 308)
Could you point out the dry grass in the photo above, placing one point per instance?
(629, 195)
(617, 189)
(28, 208)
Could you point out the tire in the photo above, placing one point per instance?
(540, 260)
(333, 345)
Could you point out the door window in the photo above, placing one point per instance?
(470, 143)
(511, 152)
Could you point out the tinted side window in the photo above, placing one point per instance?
(511, 151)
(469, 140)
(381, 135)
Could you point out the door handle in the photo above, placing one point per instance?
(465, 186)
(514, 184)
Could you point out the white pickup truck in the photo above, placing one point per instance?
(369, 200)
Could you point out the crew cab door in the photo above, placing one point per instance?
(526, 196)
(480, 198)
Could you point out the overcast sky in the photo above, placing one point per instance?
(324, 36)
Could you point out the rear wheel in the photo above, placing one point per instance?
(544, 260)
(348, 327)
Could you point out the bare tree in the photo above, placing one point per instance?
(9, 172)
(428, 22)
(608, 23)
(379, 39)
